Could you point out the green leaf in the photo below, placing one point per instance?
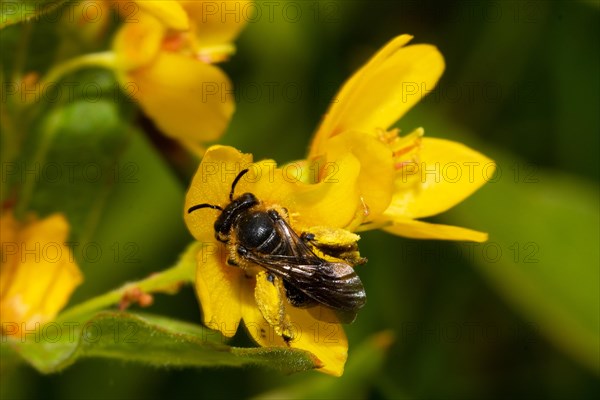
(14, 11)
(147, 339)
(141, 229)
(364, 364)
(543, 253)
(166, 281)
(69, 162)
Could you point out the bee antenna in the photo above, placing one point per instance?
(235, 182)
(205, 205)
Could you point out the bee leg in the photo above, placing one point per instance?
(270, 299)
(232, 262)
(296, 297)
(287, 339)
(242, 251)
(337, 243)
(222, 238)
(307, 237)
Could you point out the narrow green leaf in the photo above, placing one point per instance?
(69, 162)
(543, 253)
(147, 339)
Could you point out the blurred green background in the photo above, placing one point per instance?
(517, 317)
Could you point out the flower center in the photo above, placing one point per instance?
(188, 44)
(174, 41)
(405, 149)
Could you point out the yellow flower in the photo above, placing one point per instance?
(358, 175)
(229, 294)
(165, 58)
(38, 272)
(402, 178)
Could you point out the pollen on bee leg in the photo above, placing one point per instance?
(232, 262)
(270, 299)
(284, 212)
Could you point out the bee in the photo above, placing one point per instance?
(262, 236)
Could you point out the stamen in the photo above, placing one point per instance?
(388, 137)
(403, 164)
(174, 41)
(405, 150)
(215, 54)
(366, 210)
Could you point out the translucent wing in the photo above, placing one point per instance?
(332, 284)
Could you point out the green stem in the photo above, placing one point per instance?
(48, 134)
(9, 138)
(182, 272)
(105, 59)
(21, 51)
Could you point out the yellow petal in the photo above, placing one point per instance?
(215, 23)
(447, 173)
(88, 20)
(326, 341)
(333, 202)
(327, 236)
(394, 80)
(424, 230)
(219, 288)
(376, 167)
(211, 185)
(9, 227)
(186, 98)
(38, 271)
(266, 312)
(169, 12)
(137, 43)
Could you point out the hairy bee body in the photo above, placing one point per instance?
(263, 237)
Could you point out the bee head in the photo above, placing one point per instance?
(232, 211)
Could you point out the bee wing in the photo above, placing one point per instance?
(293, 246)
(332, 284)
